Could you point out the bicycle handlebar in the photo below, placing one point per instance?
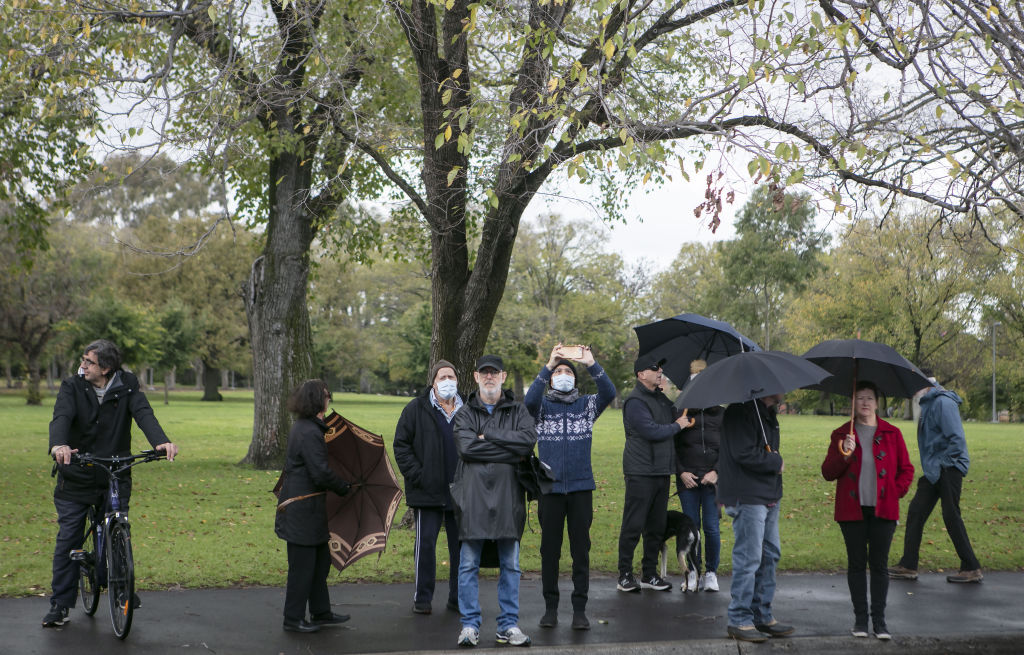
(117, 463)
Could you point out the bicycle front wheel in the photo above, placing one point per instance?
(88, 584)
(120, 578)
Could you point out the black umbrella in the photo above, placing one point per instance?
(684, 338)
(749, 376)
(850, 360)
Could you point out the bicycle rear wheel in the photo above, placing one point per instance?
(120, 578)
(88, 584)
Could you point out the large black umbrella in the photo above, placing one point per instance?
(850, 360)
(749, 376)
(686, 337)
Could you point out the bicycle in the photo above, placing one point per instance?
(105, 558)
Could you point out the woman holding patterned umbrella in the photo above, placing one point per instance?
(868, 460)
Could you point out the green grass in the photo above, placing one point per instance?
(205, 521)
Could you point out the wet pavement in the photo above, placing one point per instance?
(925, 616)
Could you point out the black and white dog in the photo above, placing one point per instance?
(687, 536)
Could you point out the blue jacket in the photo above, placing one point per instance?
(565, 431)
(940, 434)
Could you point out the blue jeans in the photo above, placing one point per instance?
(699, 505)
(508, 583)
(755, 554)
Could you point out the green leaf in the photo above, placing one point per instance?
(453, 173)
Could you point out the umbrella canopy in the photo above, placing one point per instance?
(850, 360)
(686, 337)
(360, 521)
(749, 376)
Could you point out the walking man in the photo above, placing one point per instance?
(750, 487)
(565, 432)
(425, 453)
(648, 464)
(944, 462)
(493, 432)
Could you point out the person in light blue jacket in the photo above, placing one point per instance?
(944, 463)
(565, 423)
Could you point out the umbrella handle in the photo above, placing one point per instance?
(853, 410)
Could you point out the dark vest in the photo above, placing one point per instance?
(643, 457)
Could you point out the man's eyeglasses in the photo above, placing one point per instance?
(88, 362)
(489, 372)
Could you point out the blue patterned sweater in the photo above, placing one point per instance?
(565, 431)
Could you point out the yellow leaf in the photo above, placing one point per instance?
(448, 133)
(609, 49)
(455, 75)
(552, 84)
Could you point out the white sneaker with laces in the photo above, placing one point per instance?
(512, 636)
(710, 581)
(469, 637)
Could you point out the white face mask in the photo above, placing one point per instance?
(563, 382)
(446, 389)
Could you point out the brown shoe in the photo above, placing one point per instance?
(902, 573)
(965, 576)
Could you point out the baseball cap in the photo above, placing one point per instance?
(490, 361)
(644, 362)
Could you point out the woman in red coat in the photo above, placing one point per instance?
(870, 480)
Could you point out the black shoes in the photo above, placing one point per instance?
(627, 583)
(300, 626)
(550, 618)
(655, 582)
(57, 616)
(747, 633)
(328, 619)
(421, 608)
(580, 621)
(775, 629)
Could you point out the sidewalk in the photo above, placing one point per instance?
(926, 616)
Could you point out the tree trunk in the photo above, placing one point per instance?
(275, 304)
(211, 380)
(32, 361)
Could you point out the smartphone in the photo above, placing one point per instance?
(572, 352)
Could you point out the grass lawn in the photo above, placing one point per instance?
(205, 521)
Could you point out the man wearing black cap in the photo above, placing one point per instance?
(493, 432)
(650, 422)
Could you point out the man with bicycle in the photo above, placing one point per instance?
(93, 414)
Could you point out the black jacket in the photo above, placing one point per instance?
(419, 452)
(697, 446)
(643, 455)
(747, 472)
(488, 497)
(304, 522)
(81, 422)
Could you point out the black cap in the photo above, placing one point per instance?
(490, 361)
(561, 361)
(644, 362)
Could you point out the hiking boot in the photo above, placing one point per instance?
(627, 583)
(745, 633)
(580, 621)
(469, 637)
(655, 582)
(966, 576)
(708, 582)
(902, 573)
(775, 629)
(57, 616)
(512, 636)
(550, 618)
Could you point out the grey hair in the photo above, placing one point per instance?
(107, 354)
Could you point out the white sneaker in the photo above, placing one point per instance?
(709, 581)
(691, 581)
(512, 636)
(469, 637)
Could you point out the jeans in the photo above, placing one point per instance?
(948, 491)
(508, 583)
(867, 544)
(572, 512)
(755, 555)
(428, 525)
(643, 512)
(699, 505)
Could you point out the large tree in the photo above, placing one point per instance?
(500, 97)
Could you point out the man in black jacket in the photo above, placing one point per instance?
(648, 463)
(750, 488)
(425, 452)
(93, 414)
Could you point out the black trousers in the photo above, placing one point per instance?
(573, 512)
(643, 513)
(308, 567)
(71, 519)
(867, 546)
(948, 492)
(428, 526)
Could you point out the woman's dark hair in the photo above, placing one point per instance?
(864, 384)
(308, 398)
(107, 354)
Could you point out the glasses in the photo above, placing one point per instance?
(489, 373)
(88, 362)
(654, 368)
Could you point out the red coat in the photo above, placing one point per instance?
(894, 471)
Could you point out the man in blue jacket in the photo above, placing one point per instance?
(565, 431)
(944, 462)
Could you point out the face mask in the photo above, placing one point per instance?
(446, 389)
(563, 382)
